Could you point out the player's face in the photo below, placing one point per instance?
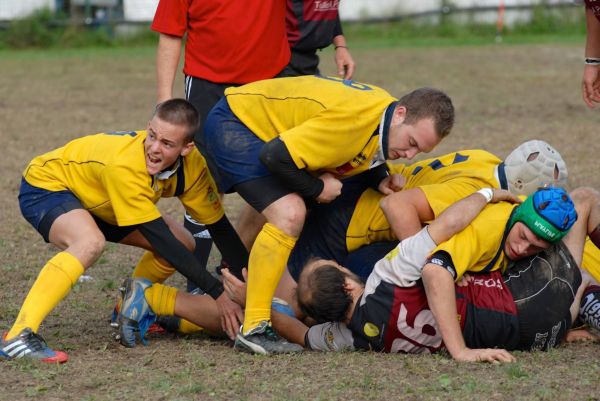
(407, 140)
(164, 144)
(522, 242)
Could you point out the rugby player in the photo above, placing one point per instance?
(281, 143)
(530, 307)
(105, 187)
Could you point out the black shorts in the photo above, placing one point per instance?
(544, 287)
(204, 95)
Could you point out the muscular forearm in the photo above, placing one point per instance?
(288, 327)
(592, 45)
(439, 288)
(456, 217)
(167, 61)
(405, 210)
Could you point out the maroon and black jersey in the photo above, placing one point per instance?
(312, 24)
(396, 319)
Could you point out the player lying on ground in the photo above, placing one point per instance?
(105, 187)
(280, 143)
(541, 277)
(388, 317)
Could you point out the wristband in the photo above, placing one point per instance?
(337, 47)
(592, 60)
(488, 194)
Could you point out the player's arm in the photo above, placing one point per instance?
(405, 210)
(177, 255)
(165, 244)
(167, 62)
(439, 287)
(460, 214)
(343, 60)
(230, 245)
(289, 327)
(591, 72)
(278, 160)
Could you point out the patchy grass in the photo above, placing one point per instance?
(503, 96)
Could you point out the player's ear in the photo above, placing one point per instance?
(399, 115)
(187, 148)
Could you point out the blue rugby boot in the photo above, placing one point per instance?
(135, 315)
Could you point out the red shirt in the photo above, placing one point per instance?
(228, 41)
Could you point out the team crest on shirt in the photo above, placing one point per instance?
(213, 198)
(371, 330)
(351, 165)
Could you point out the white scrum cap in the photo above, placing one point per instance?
(532, 165)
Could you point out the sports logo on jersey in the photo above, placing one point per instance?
(351, 165)
(371, 330)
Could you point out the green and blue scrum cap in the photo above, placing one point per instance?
(549, 213)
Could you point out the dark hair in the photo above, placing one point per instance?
(322, 294)
(179, 112)
(429, 103)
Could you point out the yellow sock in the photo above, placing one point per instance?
(187, 327)
(149, 267)
(161, 299)
(52, 284)
(268, 259)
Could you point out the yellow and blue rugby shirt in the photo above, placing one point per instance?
(479, 247)
(327, 124)
(444, 180)
(107, 173)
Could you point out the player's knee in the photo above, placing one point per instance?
(585, 196)
(289, 215)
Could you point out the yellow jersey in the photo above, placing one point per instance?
(591, 259)
(107, 173)
(327, 124)
(479, 247)
(444, 180)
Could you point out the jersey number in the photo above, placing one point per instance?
(437, 164)
(348, 82)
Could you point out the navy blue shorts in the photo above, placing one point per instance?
(234, 148)
(41, 207)
(324, 232)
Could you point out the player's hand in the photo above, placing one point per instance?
(234, 287)
(332, 188)
(483, 355)
(464, 280)
(392, 183)
(344, 62)
(499, 195)
(591, 85)
(231, 314)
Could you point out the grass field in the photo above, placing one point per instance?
(504, 94)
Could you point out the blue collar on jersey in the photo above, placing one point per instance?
(387, 120)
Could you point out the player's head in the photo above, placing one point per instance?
(325, 290)
(542, 219)
(179, 112)
(532, 165)
(170, 133)
(420, 120)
